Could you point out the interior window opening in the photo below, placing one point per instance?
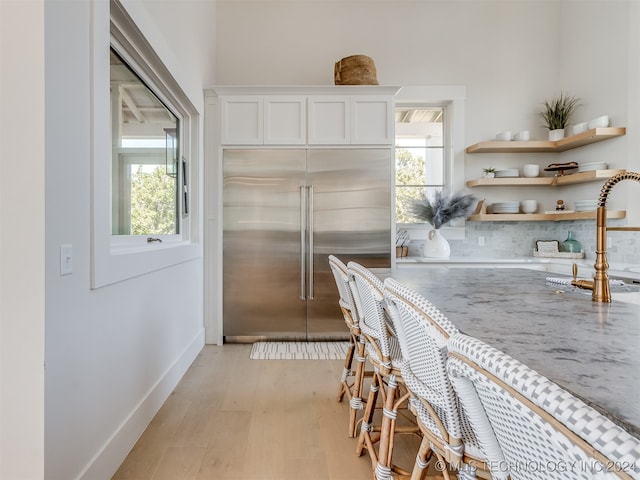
(145, 187)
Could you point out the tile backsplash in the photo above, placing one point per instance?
(507, 240)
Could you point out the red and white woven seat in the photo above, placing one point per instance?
(539, 429)
(423, 332)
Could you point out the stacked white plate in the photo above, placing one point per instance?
(586, 205)
(587, 167)
(506, 207)
(509, 172)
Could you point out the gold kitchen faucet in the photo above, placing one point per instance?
(600, 283)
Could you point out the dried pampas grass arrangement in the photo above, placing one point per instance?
(444, 208)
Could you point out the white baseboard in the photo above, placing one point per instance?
(107, 461)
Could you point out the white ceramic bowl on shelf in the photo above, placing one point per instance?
(531, 170)
(504, 136)
(579, 128)
(529, 206)
(522, 136)
(600, 122)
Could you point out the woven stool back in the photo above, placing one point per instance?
(542, 430)
(423, 332)
(346, 300)
(369, 303)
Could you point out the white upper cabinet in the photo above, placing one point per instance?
(306, 115)
(242, 120)
(285, 120)
(372, 120)
(257, 120)
(329, 122)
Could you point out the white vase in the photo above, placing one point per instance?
(556, 134)
(436, 246)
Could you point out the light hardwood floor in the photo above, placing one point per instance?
(235, 418)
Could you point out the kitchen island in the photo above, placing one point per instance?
(590, 349)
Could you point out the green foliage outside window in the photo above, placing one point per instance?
(410, 183)
(153, 202)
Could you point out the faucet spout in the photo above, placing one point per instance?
(601, 292)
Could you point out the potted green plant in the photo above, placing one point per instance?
(489, 172)
(556, 114)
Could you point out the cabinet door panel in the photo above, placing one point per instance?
(242, 121)
(329, 120)
(372, 120)
(285, 120)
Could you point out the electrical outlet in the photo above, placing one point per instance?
(66, 259)
(481, 241)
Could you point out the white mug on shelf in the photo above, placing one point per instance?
(529, 206)
(504, 136)
(531, 170)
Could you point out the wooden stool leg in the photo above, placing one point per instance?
(365, 440)
(346, 371)
(356, 403)
(389, 413)
(423, 459)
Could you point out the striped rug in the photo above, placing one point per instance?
(299, 350)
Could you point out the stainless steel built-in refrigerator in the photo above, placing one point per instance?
(285, 211)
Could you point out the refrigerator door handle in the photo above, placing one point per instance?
(303, 242)
(311, 251)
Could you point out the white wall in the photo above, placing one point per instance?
(598, 66)
(113, 354)
(510, 56)
(22, 294)
(503, 52)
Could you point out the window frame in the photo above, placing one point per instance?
(120, 257)
(452, 100)
(442, 148)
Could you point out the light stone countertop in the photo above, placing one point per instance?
(590, 349)
(629, 273)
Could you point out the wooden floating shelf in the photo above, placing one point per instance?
(569, 179)
(539, 217)
(537, 146)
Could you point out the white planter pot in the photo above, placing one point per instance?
(557, 134)
(436, 246)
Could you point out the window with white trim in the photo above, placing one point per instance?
(144, 155)
(420, 156)
(145, 139)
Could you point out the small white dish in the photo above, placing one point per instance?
(579, 128)
(506, 207)
(504, 136)
(522, 136)
(586, 205)
(600, 122)
(590, 166)
(509, 172)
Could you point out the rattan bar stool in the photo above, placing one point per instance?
(383, 352)
(531, 428)
(423, 332)
(351, 382)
